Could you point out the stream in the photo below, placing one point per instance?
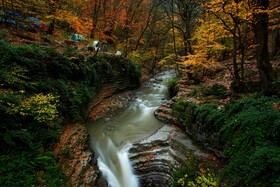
(111, 138)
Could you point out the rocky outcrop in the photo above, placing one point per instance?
(111, 104)
(76, 157)
(198, 131)
(157, 157)
(115, 77)
(164, 113)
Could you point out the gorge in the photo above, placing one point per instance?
(133, 148)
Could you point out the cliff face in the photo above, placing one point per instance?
(116, 74)
(154, 159)
(76, 157)
(73, 148)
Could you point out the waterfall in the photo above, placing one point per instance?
(116, 167)
(111, 140)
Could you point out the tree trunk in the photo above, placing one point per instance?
(14, 17)
(185, 46)
(53, 8)
(173, 30)
(260, 28)
(4, 8)
(51, 27)
(126, 42)
(243, 42)
(275, 42)
(93, 30)
(236, 78)
(242, 51)
(95, 14)
(189, 44)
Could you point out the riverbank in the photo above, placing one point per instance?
(78, 160)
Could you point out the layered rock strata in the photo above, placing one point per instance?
(156, 158)
(76, 156)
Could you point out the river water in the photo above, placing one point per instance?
(111, 138)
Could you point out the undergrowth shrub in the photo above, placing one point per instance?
(252, 137)
(216, 90)
(40, 90)
(203, 90)
(112, 63)
(196, 91)
(25, 118)
(250, 133)
(183, 111)
(35, 169)
(172, 87)
(211, 115)
(135, 72)
(195, 173)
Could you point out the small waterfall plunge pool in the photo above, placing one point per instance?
(112, 139)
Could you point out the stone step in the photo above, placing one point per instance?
(165, 110)
(165, 117)
(144, 154)
(150, 147)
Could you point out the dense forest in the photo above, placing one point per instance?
(49, 72)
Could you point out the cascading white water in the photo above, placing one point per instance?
(116, 167)
(111, 139)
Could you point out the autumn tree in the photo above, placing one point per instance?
(183, 16)
(234, 17)
(158, 37)
(150, 17)
(187, 12)
(210, 40)
(132, 10)
(95, 10)
(240, 18)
